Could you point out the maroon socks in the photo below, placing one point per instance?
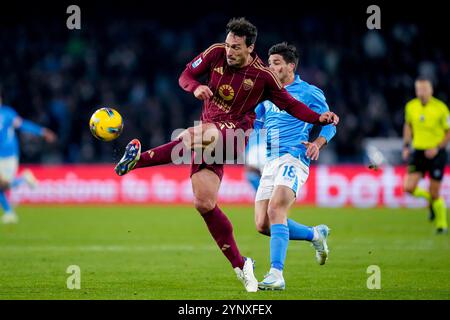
(159, 155)
(222, 231)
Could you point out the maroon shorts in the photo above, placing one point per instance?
(225, 128)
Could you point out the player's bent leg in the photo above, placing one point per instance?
(200, 136)
(261, 218)
(205, 185)
(279, 204)
(9, 215)
(439, 207)
(411, 181)
(29, 178)
(410, 186)
(8, 170)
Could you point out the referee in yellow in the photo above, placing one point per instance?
(426, 130)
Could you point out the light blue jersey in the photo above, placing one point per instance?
(9, 145)
(9, 122)
(285, 133)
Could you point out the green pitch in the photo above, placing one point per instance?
(167, 253)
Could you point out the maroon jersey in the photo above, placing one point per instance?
(237, 91)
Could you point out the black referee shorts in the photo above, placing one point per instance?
(435, 167)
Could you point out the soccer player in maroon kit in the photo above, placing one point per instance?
(237, 81)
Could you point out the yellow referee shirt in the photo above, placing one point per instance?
(428, 122)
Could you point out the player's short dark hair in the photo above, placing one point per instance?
(425, 78)
(287, 51)
(242, 27)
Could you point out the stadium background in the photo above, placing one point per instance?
(128, 55)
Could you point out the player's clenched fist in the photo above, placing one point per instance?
(203, 92)
(329, 118)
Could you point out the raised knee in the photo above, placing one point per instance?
(204, 205)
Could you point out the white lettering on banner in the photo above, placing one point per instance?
(186, 191)
(333, 186)
(335, 189)
(325, 182)
(302, 192)
(70, 188)
(235, 190)
(389, 182)
(364, 191)
(163, 189)
(135, 189)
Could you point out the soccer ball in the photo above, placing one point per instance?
(106, 124)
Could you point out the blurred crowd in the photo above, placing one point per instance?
(58, 77)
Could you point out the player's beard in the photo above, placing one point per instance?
(235, 62)
(232, 63)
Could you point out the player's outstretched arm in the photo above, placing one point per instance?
(33, 128)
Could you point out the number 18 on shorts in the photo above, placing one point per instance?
(286, 171)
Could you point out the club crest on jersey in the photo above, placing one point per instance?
(248, 84)
(226, 92)
(196, 62)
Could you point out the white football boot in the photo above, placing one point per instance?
(321, 243)
(273, 281)
(246, 275)
(9, 218)
(29, 178)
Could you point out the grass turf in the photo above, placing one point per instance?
(167, 253)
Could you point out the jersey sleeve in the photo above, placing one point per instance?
(11, 117)
(10, 113)
(318, 104)
(202, 64)
(260, 112)
(445, 120)
(31, 127)
(285, 101)
(199, 66)
(408, 113)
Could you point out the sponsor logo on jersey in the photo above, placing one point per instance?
(226, 92)
(220, 103)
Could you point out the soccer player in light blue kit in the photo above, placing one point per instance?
(9, 155)
(289, 154)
